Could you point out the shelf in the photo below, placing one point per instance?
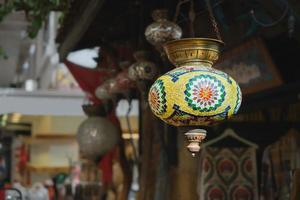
(47, 169)
(45, 138)
(41, 102)
(54, 136)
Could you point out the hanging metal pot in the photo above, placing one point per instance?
(96, 135)
(162, 30)
(142, 69)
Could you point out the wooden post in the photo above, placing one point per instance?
(150, 152)
(183, 179)
(84, 19)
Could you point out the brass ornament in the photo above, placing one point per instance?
(193, 51)
(195, 137)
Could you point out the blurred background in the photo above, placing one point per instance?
(75, 122)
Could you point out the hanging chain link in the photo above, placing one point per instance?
(192, 17)
(213, 20)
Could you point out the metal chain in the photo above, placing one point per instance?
(192, 17)
(213, 20)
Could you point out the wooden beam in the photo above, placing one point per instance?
(285, 94)
(150, 152)
(75, 33)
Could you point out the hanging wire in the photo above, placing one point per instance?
(198, 13)
(285, 12)
(213, 20)
(192, 17)
(135, 154)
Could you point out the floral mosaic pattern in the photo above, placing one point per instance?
(157, 97)
(204, 93)
(238, 100)
(176, 73)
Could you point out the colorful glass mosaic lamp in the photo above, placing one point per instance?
(194, 93)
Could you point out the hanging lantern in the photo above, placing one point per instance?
(102, 92)
(194, 93)
(123, 81)
(112, 86)
(162, 30)
(96, 135)
(142, 69)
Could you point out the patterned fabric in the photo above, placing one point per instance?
(238, 100)
(228, 174)
(279, 161)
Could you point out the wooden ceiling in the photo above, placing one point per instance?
(115, 20)
(125, 20)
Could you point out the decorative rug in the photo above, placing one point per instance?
(228, 174)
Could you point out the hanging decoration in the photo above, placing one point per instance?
(115, 83)
(162, 30)
(90, 78)
(142, 69)
(112, 86)
(194, 93)
(102, 91)
(96, 135)
(143, 73)
(123, 83)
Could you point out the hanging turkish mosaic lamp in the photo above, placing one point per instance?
(162, 30)
(194, 93)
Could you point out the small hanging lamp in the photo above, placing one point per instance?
(194, 93)
(96, 135)
(142, 69)
(102, 91)
(162, 30)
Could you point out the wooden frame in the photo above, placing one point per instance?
(251, 65)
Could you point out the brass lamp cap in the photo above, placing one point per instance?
(195, 137)
(193, 51)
